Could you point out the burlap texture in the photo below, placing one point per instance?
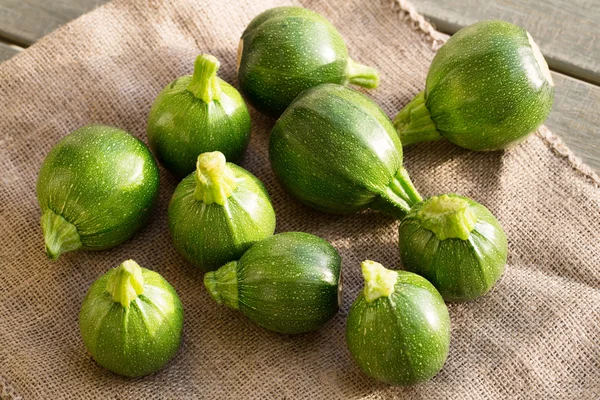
(537, 335)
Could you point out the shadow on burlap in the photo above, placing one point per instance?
(536, 335)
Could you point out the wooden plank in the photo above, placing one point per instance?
(7, 51)
(23, 22)
(575, 117)
(567, 31)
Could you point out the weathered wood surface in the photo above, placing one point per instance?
(23, 22)
(567, 31)
(575, 117)
(7, 51)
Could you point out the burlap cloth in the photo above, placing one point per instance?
(537, 335)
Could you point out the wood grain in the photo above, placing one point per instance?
(567, 31)
(7, 51)
(575, 117)
(23, 22)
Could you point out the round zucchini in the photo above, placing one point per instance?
(488, 87)
(335, 150)
(456, 244)
(398, 329)
(96, 188)
(289, 283)
(286, 50)
(131, 320)
(218, 212)
(195, 114)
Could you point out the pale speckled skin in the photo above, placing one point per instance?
(461, 270)
(335, 150)
(402, 339)
(485, 89)
(284, 51)
(210, 235)
(181, 126)
(289, 282)
(102, 180)
(137, 340)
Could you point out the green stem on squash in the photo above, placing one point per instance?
(222, 285)
(379, 281)
(126, 283)
(398, 197)
(59, 234)
(215, 180)
(414, 123)
(448, 217)
(205, 84)
(361, 75)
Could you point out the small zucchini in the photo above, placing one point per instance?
(96, 188)
(289, 283)
(286, 50)
(456, 244)
(488, 87)
(131, 320)
(195, 114)
(398, 329)
(218, 212)
(335, 150)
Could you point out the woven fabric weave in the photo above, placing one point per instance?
(536, 335)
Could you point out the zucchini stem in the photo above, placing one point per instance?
(379, 281)
(215, 180)
(205, 84)
(125, 283)
(414, 123)
(60, 235)
(398, 197)
(448, 217)
(222, 285)
(361, 75)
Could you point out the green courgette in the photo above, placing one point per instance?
(286, 50)
(456, 244)
(195, 114)
(488, 87)
(131, 320)
(289, 283)
(398, 329)
(335, 150)
(96, 188)
(218, 212)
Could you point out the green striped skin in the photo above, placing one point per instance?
(403, 338)
(289, 283)
(461, 269)
(487, 88)
(210, 235)
(182, 126)
(103, 181)
(136, 340)
(335, 150)
(286, 50)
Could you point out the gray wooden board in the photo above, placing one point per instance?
(575, 117)
(567, 31)
(23, 22)
(7, 51)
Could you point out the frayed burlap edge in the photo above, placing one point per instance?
(437, 39)
(562, 150)
(408, 14)
(7, 392)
